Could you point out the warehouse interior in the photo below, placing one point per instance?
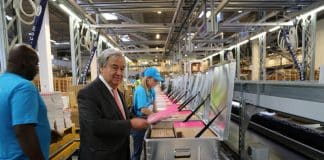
(264, 57)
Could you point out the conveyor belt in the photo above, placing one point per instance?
(304, 140)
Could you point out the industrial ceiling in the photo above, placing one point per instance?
(147, 29)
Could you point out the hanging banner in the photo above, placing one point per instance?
(83, 77)
(33, 36)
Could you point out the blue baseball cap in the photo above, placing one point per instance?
(152, 72)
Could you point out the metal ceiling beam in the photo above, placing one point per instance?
(236, 17)
(132, 10)
(185, 21)
(85, 14)
(256, 24)
(139, 30)
(267, 2)
(131, 31)
(144, 50)
(173, 22)
(143, 55)
(208, 49)
(209, 40)
(144, 42)
(264, 2)
(147, 25)
(119, 5)
(256, 5)
(216, 11)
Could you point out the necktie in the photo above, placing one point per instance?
(120, 105)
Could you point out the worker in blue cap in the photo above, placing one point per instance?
(144, 105)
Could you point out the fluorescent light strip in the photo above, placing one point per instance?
(201, 14)
(257, 36)
(231, 47)
(236, 104)
(8, 18)
(69, 12)
(109, 16)
(274, 29)
(208, 13)
(316, 10)
(244, 42)
(127, 59)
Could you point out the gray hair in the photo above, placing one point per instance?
(106, 54)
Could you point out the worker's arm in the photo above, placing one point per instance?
(154, 107)
(28, 140)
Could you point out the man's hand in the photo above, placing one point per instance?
(139, 123)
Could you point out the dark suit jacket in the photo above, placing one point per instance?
(104, 134)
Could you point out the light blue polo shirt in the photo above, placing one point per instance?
(20, 103)
(142, 100)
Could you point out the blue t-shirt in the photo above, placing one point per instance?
(142, 100)
(20, 103)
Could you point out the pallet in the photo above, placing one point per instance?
(65, 147)
(66, 152)
(60, 84)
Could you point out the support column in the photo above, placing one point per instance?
(319, 56)
(93, 68)
(75, 49)
(238, 62)
(262, 52)
(255, 61)
(3, 38)
(45, 56)
(308, 45)
(221, 57)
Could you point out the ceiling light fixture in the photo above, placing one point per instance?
(157, 36)
(201, 14)
(109, 16)
(125, 38)
(257, 36)
(244, 42)
(69, 12)
(274, 29)
(127, 59)
(8, 18)
(208, 13)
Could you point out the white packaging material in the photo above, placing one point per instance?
(67, 118)
(54, 104)
(321, 74)
(66, 102)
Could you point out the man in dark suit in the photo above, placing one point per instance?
(104, 119)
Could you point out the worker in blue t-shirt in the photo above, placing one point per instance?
(24, 127)
(144, 105)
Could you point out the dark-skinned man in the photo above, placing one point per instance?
(24, 126)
